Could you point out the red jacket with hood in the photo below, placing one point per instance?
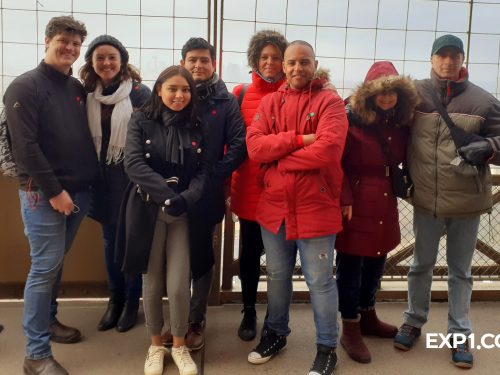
(374, 228)
(301, 184)
(245, 189)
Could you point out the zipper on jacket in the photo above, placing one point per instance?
(436, 164)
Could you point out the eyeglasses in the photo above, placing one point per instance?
(75, 209)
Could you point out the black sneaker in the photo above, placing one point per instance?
(325, 361)
(248, 326)
(269, 345)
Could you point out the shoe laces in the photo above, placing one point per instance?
(407, 330)
(267, 341)
(462, 348)
(323, 361)
(182, 353)
(155, 355)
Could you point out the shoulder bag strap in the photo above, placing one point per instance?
(460, 136)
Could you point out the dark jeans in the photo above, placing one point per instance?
(121, 287)
(358, 278)
(251, 251)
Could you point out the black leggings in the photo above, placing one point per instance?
(357, 281)
(251, 251)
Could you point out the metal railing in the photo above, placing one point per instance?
(485, 263)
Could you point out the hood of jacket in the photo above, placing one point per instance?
(320, 78)
(381, 77)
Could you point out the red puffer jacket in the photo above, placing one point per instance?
(245, 189)
(302, 184)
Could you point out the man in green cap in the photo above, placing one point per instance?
(450, 192)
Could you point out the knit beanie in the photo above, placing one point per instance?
(112, 41)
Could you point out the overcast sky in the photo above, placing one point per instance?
(348, 35)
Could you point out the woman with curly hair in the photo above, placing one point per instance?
(265, 57)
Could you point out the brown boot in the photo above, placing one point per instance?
(372, 326)
(352, 341)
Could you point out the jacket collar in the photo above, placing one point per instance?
(448, 89)
(53, 73)
(265, 86)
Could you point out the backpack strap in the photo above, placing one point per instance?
(242, 94)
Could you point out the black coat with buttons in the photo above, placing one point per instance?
(147, 168)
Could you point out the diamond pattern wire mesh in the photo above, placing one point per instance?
(485, 262)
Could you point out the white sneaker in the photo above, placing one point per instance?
(154, 360)
(183, 360)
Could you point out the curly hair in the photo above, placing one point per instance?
(65, 24)
(260, 40)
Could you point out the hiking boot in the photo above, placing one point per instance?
(269, 345)
(371, 325)
(44, 366)
(64, 334)
(248, 326)
(154, 360)
(325, 361)
(183, 360)
(195, 336)
(461, 355)
(406, 337)
(352, 341)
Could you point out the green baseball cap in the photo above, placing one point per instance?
(447, 40)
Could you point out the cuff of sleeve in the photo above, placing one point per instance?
(300, 140)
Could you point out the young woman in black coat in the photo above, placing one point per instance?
(166, 162)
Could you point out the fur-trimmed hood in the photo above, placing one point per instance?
(320, 78)
(381, 77)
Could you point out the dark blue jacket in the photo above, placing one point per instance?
(224, 132)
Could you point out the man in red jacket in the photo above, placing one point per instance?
(298, 135)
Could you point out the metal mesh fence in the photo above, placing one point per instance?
(485, 262)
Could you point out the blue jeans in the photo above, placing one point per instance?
(358, 278)
(316, 257)
(460, 244)
(121, 287)
(50, 235)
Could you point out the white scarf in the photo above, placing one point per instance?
(119, 119)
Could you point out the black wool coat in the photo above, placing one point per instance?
(147, 169)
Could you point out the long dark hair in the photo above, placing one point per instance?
(90, 78)
(154, 105)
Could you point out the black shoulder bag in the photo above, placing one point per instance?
(402, 184)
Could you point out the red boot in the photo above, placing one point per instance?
(352, 341)
(372, 326)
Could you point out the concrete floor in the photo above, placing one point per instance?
(110, 353)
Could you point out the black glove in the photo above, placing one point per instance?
(177, 206)
(476, 153)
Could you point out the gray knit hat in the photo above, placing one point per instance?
(107, 39)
